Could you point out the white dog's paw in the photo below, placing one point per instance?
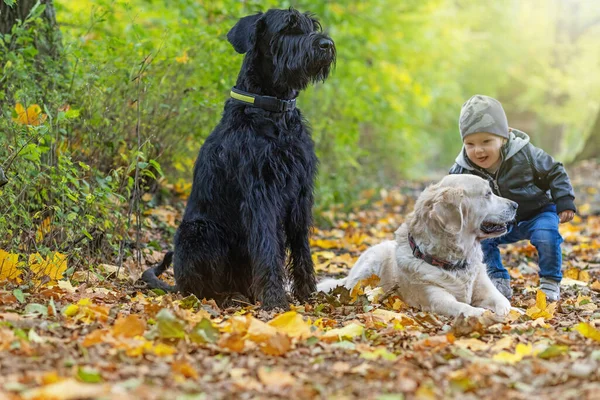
(502, 306)
(472, 311)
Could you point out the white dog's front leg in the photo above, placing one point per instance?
(487, 296)
(438, 300)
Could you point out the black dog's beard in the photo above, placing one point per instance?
(299, 61)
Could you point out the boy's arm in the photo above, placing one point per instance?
(456, 169)
(551, 175)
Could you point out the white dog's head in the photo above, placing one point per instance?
(465, 204)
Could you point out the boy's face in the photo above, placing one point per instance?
(483, 149)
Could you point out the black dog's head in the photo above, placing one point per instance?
(286, 47)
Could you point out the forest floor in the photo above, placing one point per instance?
(91, 337)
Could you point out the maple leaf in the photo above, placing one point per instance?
(291, 323)
(259, 331)
(363, 285)
(43, 229)
(53, 266)
(588, 331)
(275, 378)
(541, 309)
(349, 331)
(86, 312)
(204, 332)
(169, 326)
(9, 264)
(32, 116)
(129, 326)
(276, 345)
(233, 341)
(184, 368)
(521, 351)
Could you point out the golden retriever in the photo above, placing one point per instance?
(443, 270)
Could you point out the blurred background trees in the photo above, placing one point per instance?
(103, 114)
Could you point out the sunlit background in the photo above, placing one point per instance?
(388, 112)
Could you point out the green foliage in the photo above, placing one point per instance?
(131, 89)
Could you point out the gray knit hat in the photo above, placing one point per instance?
(482, 114)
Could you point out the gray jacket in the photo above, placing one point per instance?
(527, 175)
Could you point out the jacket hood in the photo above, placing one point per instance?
(516, 141)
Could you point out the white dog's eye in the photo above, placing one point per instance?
(488, 195)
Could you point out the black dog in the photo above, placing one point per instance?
(252, 193)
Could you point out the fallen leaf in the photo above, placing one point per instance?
(52, 266)
(291, 323)
(169, 326)
(129, 326)
(67, 390)
(8, 266)
(588, 331)
(276, 345)
(275, 378)
(541, 309)
(184, 368)
(349, 331)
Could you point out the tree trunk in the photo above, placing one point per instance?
(49, 42)
(591, 148)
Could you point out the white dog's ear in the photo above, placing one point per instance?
(447, 209)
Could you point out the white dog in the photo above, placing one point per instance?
(436, 259)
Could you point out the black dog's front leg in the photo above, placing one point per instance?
(297, 227)
(266, 247)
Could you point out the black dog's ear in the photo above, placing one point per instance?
(243, 34)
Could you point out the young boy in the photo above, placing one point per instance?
(525, 174)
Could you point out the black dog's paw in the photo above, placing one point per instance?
(273, 301)
(304, 290)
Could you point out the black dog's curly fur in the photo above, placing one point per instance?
(252, 192)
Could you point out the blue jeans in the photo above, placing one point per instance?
(542, 232)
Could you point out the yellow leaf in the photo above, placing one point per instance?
(541, 309)
(325, 244)
(588, 331)
(521, 351)
(233, 341)
(8, 266)
(594, 286)
(53, 266)
(68, 389)
(277, 345)
(130, 326)
(473, 344)
(362, 285)
(503, 344)
(387, 316)
(42, 230)
(184, 368)
(275, 378)
(51, 377)
(71, 310)
(162, 349)
(292, 324)
(259, 331)
(32, 116)
(349, 331)
(96, 337)
(183, 59)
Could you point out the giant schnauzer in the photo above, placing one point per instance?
(252, 192)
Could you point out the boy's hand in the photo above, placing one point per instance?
(566, 216)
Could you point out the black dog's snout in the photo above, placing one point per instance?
(325, 43)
